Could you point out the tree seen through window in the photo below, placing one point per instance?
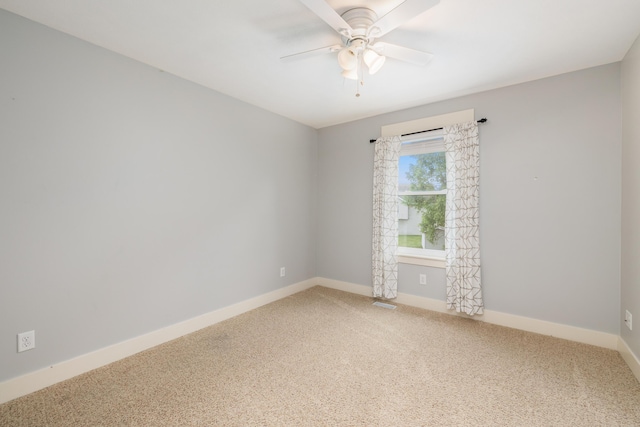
(425, 174)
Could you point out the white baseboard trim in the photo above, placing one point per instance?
(558, 330)
(345, 286)
(571, 333)
(37, 380)
(629, 357)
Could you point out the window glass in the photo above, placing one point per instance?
(422, 197)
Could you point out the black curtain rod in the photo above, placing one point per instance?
(371, 141)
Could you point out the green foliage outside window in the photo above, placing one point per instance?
(428, 173)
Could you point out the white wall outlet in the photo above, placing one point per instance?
(423, 279)
(282, 272)
(26, 341)
(628, 320)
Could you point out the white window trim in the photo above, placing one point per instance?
(433, 142)
(422, 193)
(422, 260)
(415, 144)
(425, 257)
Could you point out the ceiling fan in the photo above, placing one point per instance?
(359, 28)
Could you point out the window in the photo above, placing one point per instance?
(422, 189)
(433, 143)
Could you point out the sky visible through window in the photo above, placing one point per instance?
(403, 168)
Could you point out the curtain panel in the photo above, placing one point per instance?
(385, 217)
(462, 228)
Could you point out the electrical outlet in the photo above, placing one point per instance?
(628, 320)
(26, 341)
(423, 279)
(281, 271)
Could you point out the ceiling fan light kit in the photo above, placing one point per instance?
(373, 60)
(350, 74)
(347, 59)
(359, 27)
(358, 40)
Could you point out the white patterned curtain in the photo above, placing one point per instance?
(462, 232)
(385, 217)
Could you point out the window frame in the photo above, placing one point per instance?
(432, 142)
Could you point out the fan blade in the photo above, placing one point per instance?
(328, 15)
(401, 14)
(413, 56)
(312, 52)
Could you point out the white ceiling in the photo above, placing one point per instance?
(234, 47)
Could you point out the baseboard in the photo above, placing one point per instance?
(37, 380)
(558, 330)
(344, 286)
(571, 333)
(629, 357)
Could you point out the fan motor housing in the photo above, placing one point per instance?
(360, 19)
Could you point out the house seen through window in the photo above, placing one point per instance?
(422, 188)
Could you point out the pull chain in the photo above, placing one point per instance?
(360, 70)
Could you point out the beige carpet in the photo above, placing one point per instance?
(328, 358)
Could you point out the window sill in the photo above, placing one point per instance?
(425, 261)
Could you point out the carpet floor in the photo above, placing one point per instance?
(328, 358)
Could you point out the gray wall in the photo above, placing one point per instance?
(131, 199)
(630, 290)
(551, 246)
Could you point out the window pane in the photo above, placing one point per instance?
(424, 225)
(421, 224)
(422, 172)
